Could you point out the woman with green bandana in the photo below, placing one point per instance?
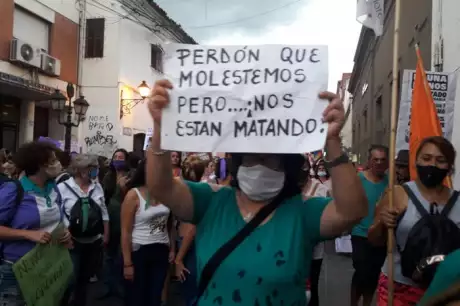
(87, 219)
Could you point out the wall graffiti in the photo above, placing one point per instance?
(100, 139)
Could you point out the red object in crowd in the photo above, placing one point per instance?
(307, 285)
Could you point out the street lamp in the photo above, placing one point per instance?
(58, 104)
(126, 105)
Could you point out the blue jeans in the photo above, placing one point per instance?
(150, 268)
(10, 293)
(189, 288)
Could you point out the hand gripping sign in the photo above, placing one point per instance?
(245, 98)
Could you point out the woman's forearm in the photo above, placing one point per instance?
(160, 182)
(349, 196)
(377, 234)
(126, 247)
(7, 233)
(159, 175)
(187, 241)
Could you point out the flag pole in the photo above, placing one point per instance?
(392, 173)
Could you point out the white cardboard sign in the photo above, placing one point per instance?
(261, 99)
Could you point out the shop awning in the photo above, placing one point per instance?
(22, 88)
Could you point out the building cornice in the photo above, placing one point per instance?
(362, 52)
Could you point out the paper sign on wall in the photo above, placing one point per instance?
(245, 98)
(443, 88)
(148, 138)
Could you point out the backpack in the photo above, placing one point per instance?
(64, 176)
(79, 225)
(432, 237)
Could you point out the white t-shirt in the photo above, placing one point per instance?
(317, 189)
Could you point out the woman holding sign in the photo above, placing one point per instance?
(271, 229)
(29, 214)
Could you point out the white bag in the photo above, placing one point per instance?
(343, 244)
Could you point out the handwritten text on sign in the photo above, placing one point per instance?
(245, 99)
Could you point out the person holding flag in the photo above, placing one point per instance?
(415, 202)
(425, 215)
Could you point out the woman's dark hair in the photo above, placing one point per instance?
(125, 153)
(138, 178)
(102, 167)
(444, 145)
(64, 158)
(320, 162)
(33, 155)
(180, 157)
(133, 160)
(292, 166)
(109, 182)
(304, 173)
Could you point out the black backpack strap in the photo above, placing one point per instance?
(62, 177)
(71, 190)
(450, 204)
(224, 251)
(90, 194)
(418, 205)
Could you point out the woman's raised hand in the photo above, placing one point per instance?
(159, 99)
(334, 114)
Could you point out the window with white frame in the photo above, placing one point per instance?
(31, 28)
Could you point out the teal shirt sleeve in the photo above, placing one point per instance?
(202, 194)
(447, 274)
(313, 210)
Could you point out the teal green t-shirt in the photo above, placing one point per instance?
(374, 192)
(447, 274)
(271, 266)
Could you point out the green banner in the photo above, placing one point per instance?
(43, 274)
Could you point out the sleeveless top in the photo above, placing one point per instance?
(410, 218)
(150, 223)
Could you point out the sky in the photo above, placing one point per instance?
(249, 22)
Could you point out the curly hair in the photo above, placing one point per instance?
(31, 156)
(193, 165)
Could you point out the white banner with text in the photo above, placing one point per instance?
(261, 99)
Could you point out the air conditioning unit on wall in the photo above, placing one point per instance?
(25, 53)
(50, 65)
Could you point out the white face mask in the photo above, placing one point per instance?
(322, 173)
(260, 183)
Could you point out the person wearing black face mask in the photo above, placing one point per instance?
(435, 158)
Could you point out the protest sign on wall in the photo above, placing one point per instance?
(245, 98)
(443, 88)
(43, 274)
(148, 138)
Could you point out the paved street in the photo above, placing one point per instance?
(334, 282)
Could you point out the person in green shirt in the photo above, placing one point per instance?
(271, 265)
(446, 282)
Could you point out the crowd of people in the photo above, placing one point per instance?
(244, 229)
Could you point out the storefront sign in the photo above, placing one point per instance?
(29, 84)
